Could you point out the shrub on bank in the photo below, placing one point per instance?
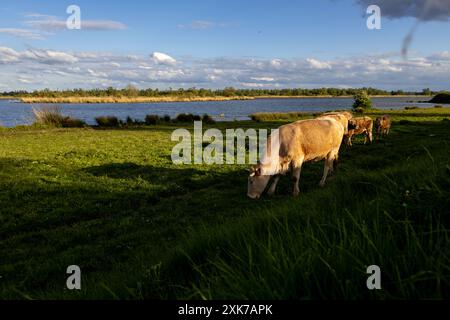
(187, 117)
(208, 119)
(151, 119)
(107, 121)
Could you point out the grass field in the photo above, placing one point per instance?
(112, 202)
(419, 114)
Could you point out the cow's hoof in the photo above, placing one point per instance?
(296, 193)
(321, 184)
(271, 193)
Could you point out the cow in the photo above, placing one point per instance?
(361, 125)
(290, 146)
(382, 125)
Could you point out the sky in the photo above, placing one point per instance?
(213, 44)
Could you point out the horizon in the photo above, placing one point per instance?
(251, 45)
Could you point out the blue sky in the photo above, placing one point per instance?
(216, 43)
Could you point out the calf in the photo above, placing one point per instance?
(361, 125)
(383, 125)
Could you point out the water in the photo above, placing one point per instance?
(14, 113)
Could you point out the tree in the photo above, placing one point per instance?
(131, 91)
(426, 92)
(362, 101)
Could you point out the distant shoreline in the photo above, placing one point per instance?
(119, 100)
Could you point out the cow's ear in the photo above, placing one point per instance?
(258, 172)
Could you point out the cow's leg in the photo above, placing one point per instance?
(273, 186)
(349, 141)
(327, 167)
(296, 170)
(335, 165)
(296, 179)
(370, 136)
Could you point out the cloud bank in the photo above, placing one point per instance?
(40, 68)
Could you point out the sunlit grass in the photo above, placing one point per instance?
(112, 202)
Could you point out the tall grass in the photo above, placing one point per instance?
(396, 218)
(52, 116)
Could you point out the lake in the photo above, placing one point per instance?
(14, 113)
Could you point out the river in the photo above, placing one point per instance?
(14, 113)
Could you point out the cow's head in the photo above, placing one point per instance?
(352, 124)
(377, 122)
(257, 182)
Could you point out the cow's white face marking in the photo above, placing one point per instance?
(256, 183)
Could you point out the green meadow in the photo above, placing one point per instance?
(112, 202)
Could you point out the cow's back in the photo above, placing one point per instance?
(339, 117)
(311, 139)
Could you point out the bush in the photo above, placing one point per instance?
(443, 97)
(208, 119)
(52, 116)
(73, 123)
(411, 107)
(166, 118)
(362, 100)
(187, 117)
(151, 119)
(129, 121)
(358, 110)
(438, 106)
(107, 121)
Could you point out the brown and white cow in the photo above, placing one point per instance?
(362, 125)
(383, 125)
(290, 146)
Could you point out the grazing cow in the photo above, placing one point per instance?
(341, 116)
(383, 125)
(361, 125)
(290, 146)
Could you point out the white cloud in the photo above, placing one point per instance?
(162, 58)
(253, 84)
(53, 24)
(203, 25)
(22, 33)
(97, 73)
(316, 64)
(197, 24)
(265, 79)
